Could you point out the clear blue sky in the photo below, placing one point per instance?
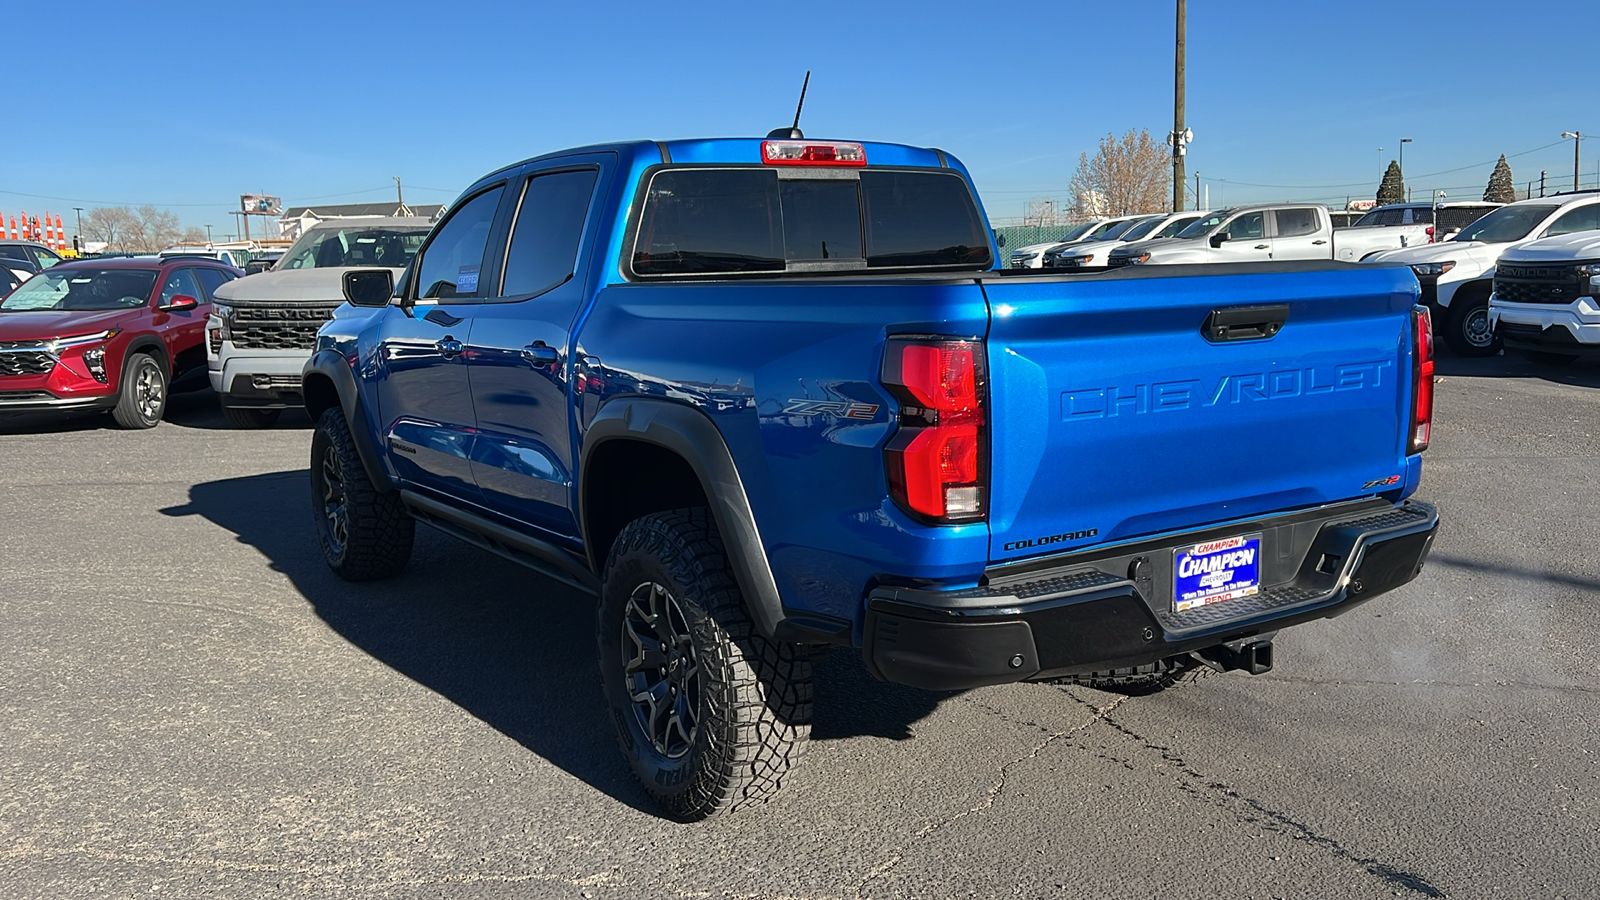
(188, 105)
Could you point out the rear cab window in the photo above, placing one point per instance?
(696, 221)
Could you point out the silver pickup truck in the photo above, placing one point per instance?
(1268, 232)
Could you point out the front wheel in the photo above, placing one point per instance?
(711, 715)
(142, 398)
(364, 534)
(1469, 332)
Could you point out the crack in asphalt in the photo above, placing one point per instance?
(995, 789)
(1526, 685)
(1217, 793)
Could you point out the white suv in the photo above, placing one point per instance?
(1546, 303)
(1457, 276)
(1097, 253)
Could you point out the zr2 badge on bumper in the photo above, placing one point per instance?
(1215, 571)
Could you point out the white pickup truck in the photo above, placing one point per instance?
(1546, 301)
(1277, 232)
(1457, 275)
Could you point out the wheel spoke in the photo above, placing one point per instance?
(660, 668)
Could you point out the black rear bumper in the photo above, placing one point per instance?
(1098, 611)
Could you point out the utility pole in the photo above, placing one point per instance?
(1180, 135)
(79, 211)
(1577, 139)
(208, 235)
(1542, 173)
(1197, 190)
(400, 196)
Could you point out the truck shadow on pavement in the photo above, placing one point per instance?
(505, 644)
(1581, 373)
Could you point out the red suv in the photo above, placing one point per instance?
(106, 334)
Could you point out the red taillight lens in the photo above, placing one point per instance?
(812, 153)
(937, 461)
(1421, 380)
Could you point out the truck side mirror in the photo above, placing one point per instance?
(368, 287)
(1218, 238)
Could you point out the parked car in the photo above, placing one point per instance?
(41, 256)
(1415, 223)
(228, 256)
(13, 272)
(1093, 254)
(758, 412)
(1032, 256)
(105, 334)
(1546, 301)
(263, 327)
(262, 262)
(1457, 276)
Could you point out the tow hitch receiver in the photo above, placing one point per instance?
(1254, 657)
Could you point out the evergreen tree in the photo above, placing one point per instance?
(1393, 187)
(1501, 188)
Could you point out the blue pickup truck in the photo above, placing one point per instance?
(765, 397)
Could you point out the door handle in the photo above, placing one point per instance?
(448, 347)
(541, 354)
(1262, 246)
(1318, 243)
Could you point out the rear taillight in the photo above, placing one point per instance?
(938, 459)
(813, 153)
(1421, 379)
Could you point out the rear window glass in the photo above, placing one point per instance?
(728, 221)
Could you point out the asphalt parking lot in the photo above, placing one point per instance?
(194, 707)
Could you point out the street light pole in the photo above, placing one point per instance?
(1403, 143)
(208, 235)
(1577, 140)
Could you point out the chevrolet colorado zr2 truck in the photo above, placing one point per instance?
(763, 397)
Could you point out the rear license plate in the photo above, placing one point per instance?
(1215, 571)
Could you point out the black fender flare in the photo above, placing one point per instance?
(692, 435)
(330, 364)
(148, 343)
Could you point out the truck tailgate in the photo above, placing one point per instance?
(1116, 414)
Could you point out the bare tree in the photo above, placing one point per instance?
(128, 230)
(1127, 175)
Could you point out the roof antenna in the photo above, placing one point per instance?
(793, 131)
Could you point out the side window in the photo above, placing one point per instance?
(211, 279)
(1247, 227)
(45, 259)
(452, 261)
(549, 225)
(1296, 222)
(181, 281)
(1584, 218)
(13, 251)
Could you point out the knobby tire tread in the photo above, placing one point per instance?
(380, 532)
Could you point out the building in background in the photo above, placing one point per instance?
(296, 219)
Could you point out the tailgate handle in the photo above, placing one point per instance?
(1245, 323)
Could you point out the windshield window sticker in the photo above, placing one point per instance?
(467, 280)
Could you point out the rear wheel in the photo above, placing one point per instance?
(242, 417)
(142, 399)
(711, 715)
(365, 535)
(1469, 332)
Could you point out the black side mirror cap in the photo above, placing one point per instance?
(1218, 239)
(369, 287)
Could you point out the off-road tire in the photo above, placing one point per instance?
(1547, 358)
(377, 530)
(142, 394)
(1136, 681)
(245, 417)
(752, 699)
(1467, 326)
